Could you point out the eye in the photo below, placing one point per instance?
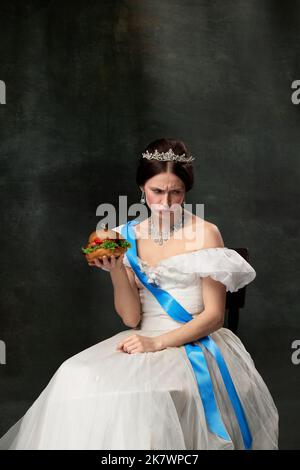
(177, 191)
(157, 190)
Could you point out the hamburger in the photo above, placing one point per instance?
(105, 242)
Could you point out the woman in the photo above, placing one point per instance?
(177, 379)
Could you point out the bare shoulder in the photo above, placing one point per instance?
(211, 235)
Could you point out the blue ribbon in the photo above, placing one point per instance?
(194, 352)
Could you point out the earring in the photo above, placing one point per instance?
(142, 200)
(182, 212)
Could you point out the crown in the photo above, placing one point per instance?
(167, 156)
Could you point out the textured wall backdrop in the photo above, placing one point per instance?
(88, 86)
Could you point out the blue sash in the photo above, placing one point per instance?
(195, 353)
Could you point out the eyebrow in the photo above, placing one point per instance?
(154, 187)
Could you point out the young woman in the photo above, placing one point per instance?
(176, 379)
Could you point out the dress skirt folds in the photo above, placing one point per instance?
(200, 396)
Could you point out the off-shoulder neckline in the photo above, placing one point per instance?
(168, 258)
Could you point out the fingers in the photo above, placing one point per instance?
(98, 263)
(95, 263)
(130, 342)
(120, 260)
(123, 347)
(106, 264)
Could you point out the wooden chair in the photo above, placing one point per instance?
(235, 300)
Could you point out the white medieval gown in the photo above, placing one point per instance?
(102, 398)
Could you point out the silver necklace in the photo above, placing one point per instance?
(160, 236)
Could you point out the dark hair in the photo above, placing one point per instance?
(148, 168)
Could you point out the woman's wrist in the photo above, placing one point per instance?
(159, 343)
(117, 275)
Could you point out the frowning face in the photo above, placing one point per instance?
(162, 191)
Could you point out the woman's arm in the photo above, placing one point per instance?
(214, 298)
(126, 296)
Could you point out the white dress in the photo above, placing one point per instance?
(102, 398)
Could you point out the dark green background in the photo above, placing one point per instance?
(89, 85)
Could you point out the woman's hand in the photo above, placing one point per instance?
(136, 343)
(106, 265)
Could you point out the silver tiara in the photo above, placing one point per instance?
(167, 156)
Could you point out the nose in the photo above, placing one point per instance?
(166, 200)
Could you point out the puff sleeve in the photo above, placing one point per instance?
(221, 264)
